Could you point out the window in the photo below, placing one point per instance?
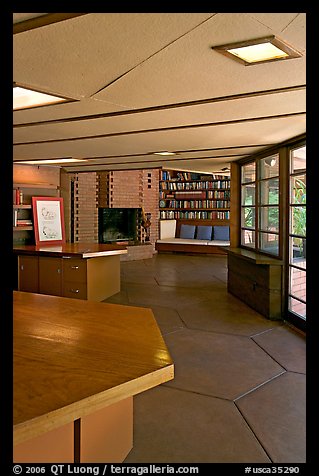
(260, 197)
(297, 233)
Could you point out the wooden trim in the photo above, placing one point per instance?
(146, 161)
(232, 97)
(273, 149)
(36, 185)
(284, 220)
(164, 129)
(235, 204)
(43, 20)
(181, 248)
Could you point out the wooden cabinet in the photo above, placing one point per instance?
(81, 271)
(54, 276)
(28, 276)
(257, 280)
(188, 195)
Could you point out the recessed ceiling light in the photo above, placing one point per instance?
(260, 50)
(49, 161)
(24, 98)
(164, 153)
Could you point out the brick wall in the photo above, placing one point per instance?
(85, 211)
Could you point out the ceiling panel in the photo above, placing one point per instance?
(154, 83)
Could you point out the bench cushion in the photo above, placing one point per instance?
(167, 228)
(204, 232)
(187, 231)
(221, 233)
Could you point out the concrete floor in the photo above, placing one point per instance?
(239, 391)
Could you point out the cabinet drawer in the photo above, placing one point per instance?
(74, 269)
(74, 290)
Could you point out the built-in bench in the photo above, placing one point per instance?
(193, 236)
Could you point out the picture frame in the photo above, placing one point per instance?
(48, 219)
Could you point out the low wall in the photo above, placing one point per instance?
(136, 252)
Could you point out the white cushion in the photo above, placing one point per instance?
(219, 243)
(183, 241)
(167, 229)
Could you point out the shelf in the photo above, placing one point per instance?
(22, 207)
(36, 185)
(23, 228)
(194, 209)
(203, 197)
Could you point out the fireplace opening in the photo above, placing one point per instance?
(118, 224)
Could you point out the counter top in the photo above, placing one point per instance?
(80, 250)
(73, 357)
(250, 255)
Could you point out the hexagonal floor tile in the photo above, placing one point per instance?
(220, 365)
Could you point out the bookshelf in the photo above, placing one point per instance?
(22, 208)
(193, 196)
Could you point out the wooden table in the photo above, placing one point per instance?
(79, 270)
(77, 365)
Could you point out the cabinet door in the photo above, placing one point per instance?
(28, 274)
(50, 276)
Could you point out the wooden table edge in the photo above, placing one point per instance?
(52, 420)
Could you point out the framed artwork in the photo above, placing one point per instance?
(48, 219)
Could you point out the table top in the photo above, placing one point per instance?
(73, 357)
(253, 256)
(82, 250)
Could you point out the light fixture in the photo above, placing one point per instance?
(24, 98)
(260, 50)
(165, 152)
(49, 161)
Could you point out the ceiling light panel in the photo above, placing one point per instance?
(24, 98)
(258, 51)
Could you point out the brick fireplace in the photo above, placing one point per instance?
(90, 191)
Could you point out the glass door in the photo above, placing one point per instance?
(297, 238)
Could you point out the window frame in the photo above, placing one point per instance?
(258, 206)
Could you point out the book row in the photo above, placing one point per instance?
(199, 215)
(195, 204)
(17, 197)
(204, 185)
(20, 221)
(173, 175)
